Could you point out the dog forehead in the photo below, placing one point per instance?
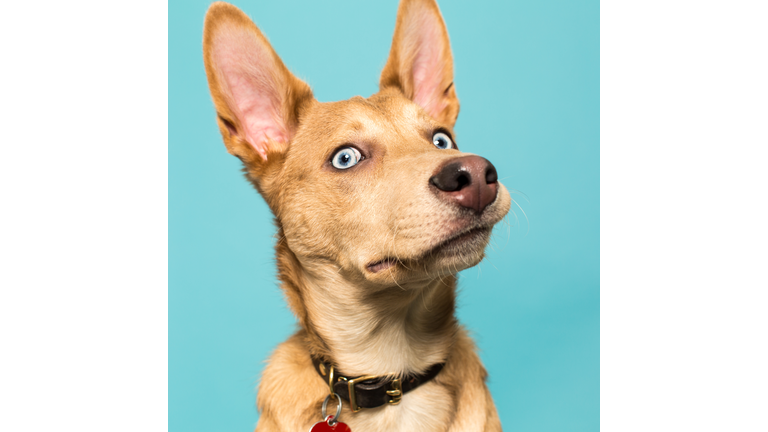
(381, 118)
(402, 113)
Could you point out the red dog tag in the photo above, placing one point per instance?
(325, 426)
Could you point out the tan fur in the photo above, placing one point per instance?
(333, 224)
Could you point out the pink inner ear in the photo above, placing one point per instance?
(425, 30)
(251, 82)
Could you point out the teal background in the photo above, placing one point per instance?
(527, 75)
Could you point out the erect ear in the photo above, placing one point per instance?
(258, 101)
(420, 62)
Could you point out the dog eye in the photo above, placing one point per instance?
(346, 158)
(442, 141)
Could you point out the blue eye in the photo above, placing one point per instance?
(442, 141)
(346, 158)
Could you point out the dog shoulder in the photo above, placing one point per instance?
(466, 376)
(290, 391)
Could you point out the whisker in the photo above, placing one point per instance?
(517, 221)
(494, 243)
(526, 216)
(515, 191)
(489, 261)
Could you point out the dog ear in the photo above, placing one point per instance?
(420, 63)
(258, 101)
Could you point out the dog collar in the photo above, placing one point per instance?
(371, 391)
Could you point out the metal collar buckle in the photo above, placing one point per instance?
(396, 392)
(351, 386)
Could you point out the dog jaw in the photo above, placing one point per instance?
(454, 247)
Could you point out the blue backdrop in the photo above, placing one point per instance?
(527, 75)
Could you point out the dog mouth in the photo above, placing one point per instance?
(464, 241)
(384, 264)
(460, 243)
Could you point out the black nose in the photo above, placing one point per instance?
(470, 181)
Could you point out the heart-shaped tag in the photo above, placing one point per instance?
(325, 426)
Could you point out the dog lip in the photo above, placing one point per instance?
(380, 265)
(458, 237)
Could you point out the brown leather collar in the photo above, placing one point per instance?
(370, 391)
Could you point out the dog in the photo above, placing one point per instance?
(376, 210)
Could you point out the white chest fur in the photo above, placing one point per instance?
(427, 408)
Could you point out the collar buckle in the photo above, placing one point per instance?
(396, 393)
(351, 386)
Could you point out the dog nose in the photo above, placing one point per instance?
(470, 181)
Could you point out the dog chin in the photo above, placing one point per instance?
(448, 257)
(459, 253)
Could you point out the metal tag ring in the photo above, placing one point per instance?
(338, 409)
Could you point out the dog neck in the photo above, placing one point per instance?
(394, 331)
(385, 331)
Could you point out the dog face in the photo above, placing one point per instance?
(375, 190)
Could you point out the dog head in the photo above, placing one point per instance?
(374, 189)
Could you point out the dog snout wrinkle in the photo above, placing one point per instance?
(470, 181)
